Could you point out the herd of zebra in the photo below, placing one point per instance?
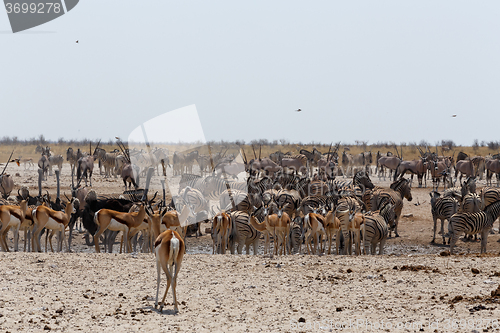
(300, 202)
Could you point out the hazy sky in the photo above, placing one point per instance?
(359, 70)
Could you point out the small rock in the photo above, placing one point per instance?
(444, 253)
(349, 270)
(302, 320)
(47, 328)
(338, 309)
(475, 271)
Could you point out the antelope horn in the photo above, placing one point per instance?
(244, 155)
(66, 196)
(7, 163)
(254, 154)
(260, 151)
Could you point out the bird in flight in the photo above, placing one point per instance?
(77, 42)
(454, 116)
(298, 110)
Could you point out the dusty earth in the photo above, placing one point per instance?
(412, 288)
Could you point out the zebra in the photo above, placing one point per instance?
(243, 201)
(296, 236)
(375, 229)
(473, 223)
(178, 160)
(488, 196)
(193, 181)
(398, 190)
(309, 203)
(215, 186)
(243, 233)
(442, 208)
(290, 199)
(194, 198)
(55, 160)
(108, 160)
(259, 186)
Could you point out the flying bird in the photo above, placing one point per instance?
(298, 110)
(77, 42)
(454, 116)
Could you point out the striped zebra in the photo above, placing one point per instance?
(488, 196)
(215, 186)
(243, 233)
(290, 199)
(473, 223)
(243, 201)
(398, 190)
(375, 229)
(315, 202)
(193, 181)
(259, 186)
(442, 208)
(195, 199)
(296, 236)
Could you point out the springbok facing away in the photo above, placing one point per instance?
(169, 251)
(221, 229)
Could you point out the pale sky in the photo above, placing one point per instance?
(359, 70)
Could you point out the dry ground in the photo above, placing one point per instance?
(412, 284)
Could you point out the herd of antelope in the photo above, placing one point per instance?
(302, 202)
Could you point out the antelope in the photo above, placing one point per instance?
(314, 226)
(332, 227)
(164, 219)
(221, 229)
(11, 216)
(117, 221)
(355, 221)
(45, 217)
(169, 251)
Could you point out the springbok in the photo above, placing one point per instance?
(45, 217)
(169, 251)
(11, 217)
(117, 221)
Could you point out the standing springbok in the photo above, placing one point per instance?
(169, 251)
(11, 217)
(44, 217)
(117, 221)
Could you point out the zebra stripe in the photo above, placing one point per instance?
(473, 223)
(215, 186)
(375, 232)
(241, 201)
(243, 233)
(193, 181)
(489, 195)
(398, 190)
(442, 209)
